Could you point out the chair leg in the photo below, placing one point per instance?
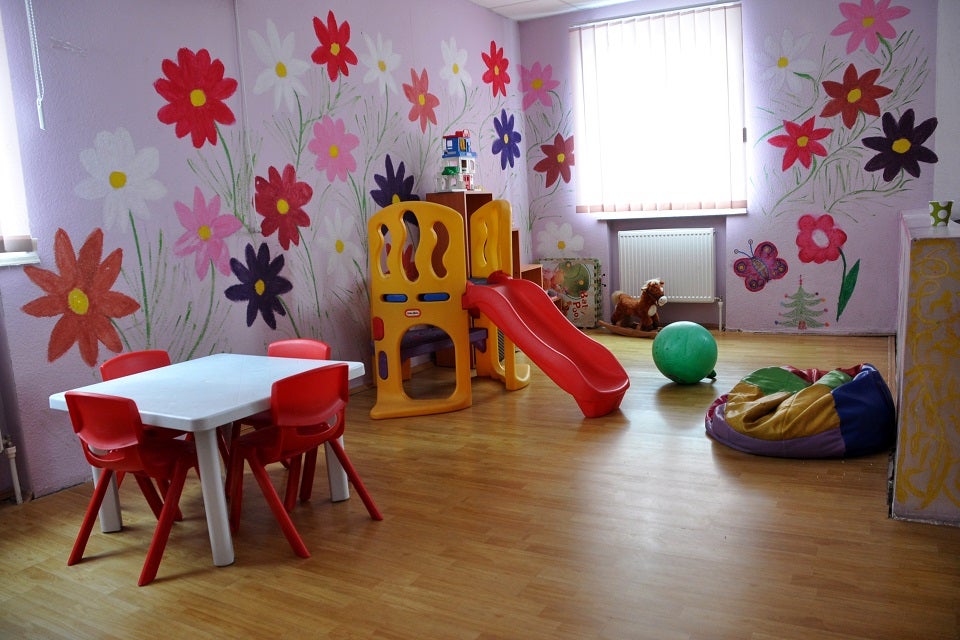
(309, 470)
(355, 479)
(164, 524)
(293, 482)
(235, 488)
(150, 493)
(90, 517)
(279, 512)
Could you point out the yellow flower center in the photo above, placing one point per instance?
(421, 99)
(282, 206)
(335, 49)
(561, 157)
(334, 151)
(382, 66)
(456, 68)
(868, 21)
(537, 84)
(782, 62)
(198, 98)
(802, 141)
(281, 70)
(395, 199)
(496, 70)
(561, 245)
(118, 179)
(259, 286)
(78, 302)
(854, 95)
(506, 138)
(901, 146)
(339, 246)
(204, 232)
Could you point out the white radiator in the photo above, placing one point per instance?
(683, 258)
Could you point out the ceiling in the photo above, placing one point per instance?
(529, 9)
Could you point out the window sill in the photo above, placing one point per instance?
(660, 215)
(14, 258)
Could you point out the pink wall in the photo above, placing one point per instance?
(101, 61)
(862, 204)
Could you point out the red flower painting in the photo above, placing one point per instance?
(423, 102)
(333, 50)
(80, 294)
(855, 94)
(280, 199)
(800, 143)
(195, 89)
(558, 160)
(496, 74)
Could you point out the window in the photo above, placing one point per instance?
(660, 114)
(16, 244)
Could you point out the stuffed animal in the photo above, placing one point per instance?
(642, 307)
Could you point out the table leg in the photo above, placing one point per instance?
(111, 520)
(339, 484)
(214, 498)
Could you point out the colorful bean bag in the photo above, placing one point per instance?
(793, 413)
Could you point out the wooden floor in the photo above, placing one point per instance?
(519, 519)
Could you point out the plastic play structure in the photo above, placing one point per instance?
(421, 300)
(806, 413)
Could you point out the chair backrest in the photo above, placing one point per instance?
(132, 362)
(109, 428)
(299, 348)
(312, 398)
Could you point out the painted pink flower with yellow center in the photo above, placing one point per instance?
(333, 147)
(800, 143)
(423, 102)
(205, 232)
(81, 295)
(537, 83)
(868, 22)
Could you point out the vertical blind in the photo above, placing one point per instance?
(14, 226)
(660, 113)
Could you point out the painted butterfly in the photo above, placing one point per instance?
(760, 266)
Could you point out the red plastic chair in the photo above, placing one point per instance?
(307, 410)
(306, 348)
(112, 437)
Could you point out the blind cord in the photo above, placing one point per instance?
(35, 51)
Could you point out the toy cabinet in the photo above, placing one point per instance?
(926, 478)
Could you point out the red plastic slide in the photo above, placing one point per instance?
(579, 365)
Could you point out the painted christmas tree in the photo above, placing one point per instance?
(800, 312)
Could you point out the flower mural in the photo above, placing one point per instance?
(283, 70)
(261, 285)
(496, 74)
(121, 176)
(454, 71)
(507, 142)
(381, 62)
(81, 294)
(821, 240)
(537, 84)
(557, 161)
(423, 103)
(333, 147)
(867, 23)
(783, 62)
(558, 240)
(195, 90)
(344, 254)
(333, 51)
(801, 142)
(901, 147)
(280, 200)
(854, 95)
(205, 230)
(394, 187)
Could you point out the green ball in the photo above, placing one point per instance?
(685, 352)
